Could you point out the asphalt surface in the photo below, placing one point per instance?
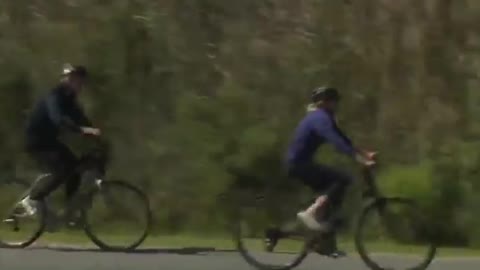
(180, 259)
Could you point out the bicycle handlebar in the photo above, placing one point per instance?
(369, 178)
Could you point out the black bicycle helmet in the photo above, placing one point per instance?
(325, 93)
(74, 70)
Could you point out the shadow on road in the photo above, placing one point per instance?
(177, 251)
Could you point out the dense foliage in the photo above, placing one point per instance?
(193, 92)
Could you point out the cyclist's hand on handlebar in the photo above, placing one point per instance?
(367, 154)
(365, 158)
(370, 155)
(91, 131)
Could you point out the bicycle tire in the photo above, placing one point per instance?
(41, 213)
(89, 230)
(251, 260)
(263, 266)
(372, 208)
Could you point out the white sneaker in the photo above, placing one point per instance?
(29, 205)
(9, 220)
(311, 222)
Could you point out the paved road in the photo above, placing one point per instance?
(182, 259)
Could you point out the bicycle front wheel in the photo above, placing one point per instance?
(118, 217)
(392, 233)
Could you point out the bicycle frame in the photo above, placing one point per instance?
(372, 191)
(96, 159)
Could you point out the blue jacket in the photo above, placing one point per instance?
(315, 129)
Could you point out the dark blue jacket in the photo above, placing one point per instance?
(58, 110)
(315, 129)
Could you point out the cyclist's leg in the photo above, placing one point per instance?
(72, 182)
(325, 180)
(275, 233)
(49, 160)
(333, 184)
(308, 174)
(62, 163)
(71, 176)
(320, 179)
(337, 183)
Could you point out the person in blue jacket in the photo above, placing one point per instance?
(315, 129)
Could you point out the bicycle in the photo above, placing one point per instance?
(114, 199)
(268, 220)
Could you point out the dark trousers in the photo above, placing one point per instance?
(324, 180)
(58, 160)
(329, 181)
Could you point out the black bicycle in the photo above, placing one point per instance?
(115, 215)
(386, 224)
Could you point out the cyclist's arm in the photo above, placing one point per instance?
(57, 115)
(347, 140)
(325, 128)
(342, 134)
(79, 116)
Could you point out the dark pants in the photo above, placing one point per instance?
(323, 179)
(329, 181)
(58, 160)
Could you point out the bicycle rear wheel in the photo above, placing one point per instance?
(119, 217)
(264, 218)
(394, 225)
(17, 229)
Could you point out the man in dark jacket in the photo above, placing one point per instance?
(58, 110)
